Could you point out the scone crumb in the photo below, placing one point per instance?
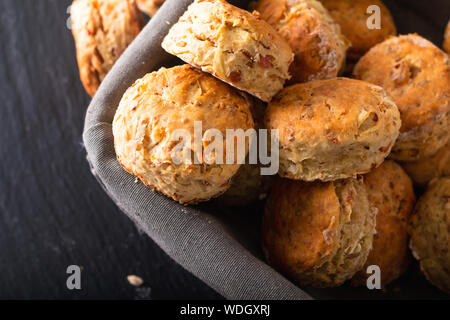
(135, 280)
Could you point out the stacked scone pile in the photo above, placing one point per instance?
(349, 148)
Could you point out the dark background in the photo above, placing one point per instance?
(52, 211)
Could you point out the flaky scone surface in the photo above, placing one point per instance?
(316, 39)
(150, 7)
(318, 234)
(424, 170)
(102, 30)
(352, 17)
(233, 45)
(391, 194)
(167, 100)
(332, 129)
(416, 74)
(447, 39)
(430, 233)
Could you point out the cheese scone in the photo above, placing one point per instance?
(232, 44)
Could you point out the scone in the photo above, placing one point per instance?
(248, 186)
(391, 193)
(155, 109)
(150, 7)
(430, 233)
(352, 17)
(332, 129)
(318, 234)
(416, 74)
(426, 169)
(102, 30)
(316, 39)
(446, 45)
(233, 45)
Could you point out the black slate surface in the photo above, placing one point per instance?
(52, 211)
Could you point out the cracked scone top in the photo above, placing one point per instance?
(314, 36)
(102, 30)
(390, 192)
(426, 169)
(318, 233)
(232, 44)
(416, 74)
(430, 233)
(332, 129)
(154, 108)
(248, 184)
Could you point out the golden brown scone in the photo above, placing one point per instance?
(352, 17)
(316, 39)
(151, 111)
(248, 185)
(232, 44)
(332, 129)
(430, 233)
(447, 39)
(425, 169)
(150, 7)
(416, 74)
(102, 30)
(318, 234)
(391, 193)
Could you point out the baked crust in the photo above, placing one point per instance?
(416, 74)
(316, 39)
(332, 129)
(150, 7)
(102, 30)
(318, 234)
(233, 45)
(446, 45)
(391, 194)
(352, 18)
(424, 170)
(429, 230)
(165, 101)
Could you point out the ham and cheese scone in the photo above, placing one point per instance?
(232, 44)
(430, 233)
(332, 129)
(162, 105)
(416, 74)
(248, 184)
(315, 37)
(391, 194)
(318, 233)
(102, 30)
(352, 17)
(425, 169)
